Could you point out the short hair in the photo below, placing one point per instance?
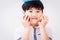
(32, 4)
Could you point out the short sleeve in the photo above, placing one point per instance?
(50, 38)
(19, 33)
(49, 32)
(19, 38)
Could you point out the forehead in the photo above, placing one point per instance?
(34, 8)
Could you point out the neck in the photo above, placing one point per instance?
(34, 25)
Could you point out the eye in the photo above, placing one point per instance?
(30, 11)
(37, 11)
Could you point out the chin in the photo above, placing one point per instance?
(34, 22)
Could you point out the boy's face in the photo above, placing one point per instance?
(33, 14)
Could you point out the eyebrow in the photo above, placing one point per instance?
(35, 8)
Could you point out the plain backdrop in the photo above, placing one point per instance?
(10, 12)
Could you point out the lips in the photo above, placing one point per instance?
(33, 18)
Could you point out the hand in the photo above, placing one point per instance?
(44, 21)
(25, 21)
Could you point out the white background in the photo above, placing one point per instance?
(10, 12)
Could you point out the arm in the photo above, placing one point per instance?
(44, 35)
(25, 22)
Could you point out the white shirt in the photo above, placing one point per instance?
(31, 35)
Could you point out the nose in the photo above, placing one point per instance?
(34, 14)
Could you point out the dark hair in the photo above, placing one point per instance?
(31, 4)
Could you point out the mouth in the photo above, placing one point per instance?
(33, 18)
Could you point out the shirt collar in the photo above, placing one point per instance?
(35, 26)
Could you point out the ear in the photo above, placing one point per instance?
(23, 12)
(42, 13)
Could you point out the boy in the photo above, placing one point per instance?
(34, 21)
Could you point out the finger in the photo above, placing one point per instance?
(42, 17)
(45, 17)
(28, 19)
(25, 18)
(21, 18)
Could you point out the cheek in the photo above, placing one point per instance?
(39, 15)
(29, 15)
(39, 19)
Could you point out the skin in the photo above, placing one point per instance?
(31, 18)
